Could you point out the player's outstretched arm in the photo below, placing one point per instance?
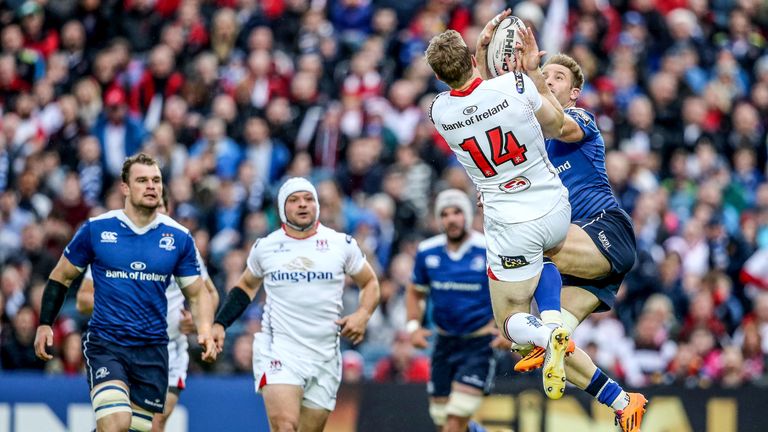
(481, 48)
(234, 305)
(202, 312)
(353, 325)
(53, 298)
(551, 115)
(414, 312)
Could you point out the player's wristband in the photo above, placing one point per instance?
(53, 297)
(234, 306)
(412, 325)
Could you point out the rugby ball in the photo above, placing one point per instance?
(503, 41)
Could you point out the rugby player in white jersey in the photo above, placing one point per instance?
(496, 128)
(303, 266)
(180, 324)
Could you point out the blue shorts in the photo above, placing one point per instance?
(462, 359)
(612, 232)
(144, 369)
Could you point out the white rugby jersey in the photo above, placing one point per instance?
(176, 299)
(304, 282)
(492, 128)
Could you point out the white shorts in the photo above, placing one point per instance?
(319, 379)
(515, 251)
(178, 361)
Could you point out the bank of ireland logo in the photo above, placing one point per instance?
(138, 266)
(167, 241)
(108, 237)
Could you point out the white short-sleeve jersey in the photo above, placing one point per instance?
(304, 281)
(492, 128)
(176, 300)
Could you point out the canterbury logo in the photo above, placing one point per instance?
(108, 237)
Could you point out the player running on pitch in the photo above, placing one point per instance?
(303, 266)
(134, 253)
(179, 325)
(450, 269)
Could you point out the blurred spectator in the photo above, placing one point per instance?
(120, 134)
(403, 365)
(18, 351)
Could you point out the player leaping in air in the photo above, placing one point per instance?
(600, 248)
(495, 129)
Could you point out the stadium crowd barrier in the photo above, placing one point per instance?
(32, 402)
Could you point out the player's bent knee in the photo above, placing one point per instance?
(110, 399)
(437, 412)
(463, 404)
(141, 420)
(570, 321)
(281, 423)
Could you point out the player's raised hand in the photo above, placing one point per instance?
(43, 338)
(528, 54)
(485, 36)
(186, 324)
(419, 338)
(209, 347)
(353, 325)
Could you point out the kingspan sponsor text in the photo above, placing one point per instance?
(299, 276)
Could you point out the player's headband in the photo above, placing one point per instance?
(292, 185)
(455, 198)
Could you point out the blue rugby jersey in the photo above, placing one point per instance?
(581, 166)
(457, 283)
(132, 267)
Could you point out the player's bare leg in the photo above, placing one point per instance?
(283, 404)
(312, 419)
(460, 406)
(579, 256)
(112, 406)
(511, 303)
(159, 420)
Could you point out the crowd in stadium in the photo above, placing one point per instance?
(234, 96)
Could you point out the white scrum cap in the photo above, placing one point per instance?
(292, 185)
(455, 198)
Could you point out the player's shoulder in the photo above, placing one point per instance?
(106, 217)
(580, 114)
(513, 83)
(437, 242)
(333, 236)
(435, 103)
(477, 239)
(171, 223)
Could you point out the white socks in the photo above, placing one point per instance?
(524, 328)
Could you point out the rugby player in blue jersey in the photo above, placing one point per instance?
(133, 254)
(450, 269)
(600, 248)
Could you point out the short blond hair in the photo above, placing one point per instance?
(449, 58)
(577, 76)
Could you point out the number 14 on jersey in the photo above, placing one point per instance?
(504, 148)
